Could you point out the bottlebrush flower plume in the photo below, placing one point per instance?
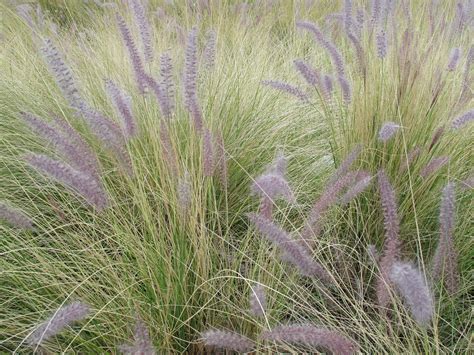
(273, 186)
(387, 131)
(436, 136)
(311, 75)
(191, 100)
(346, 164)
(184, 193)
(123, 105)
(14, 216)
(381, 44)
(410, 157)
(327, 86)
(433, 166)
(392, 243)
(167, 84)
(288, 88)
(84, 185)
(258, 301)
(129, 43)
(445, 258)
(67, 141)
(292, 251)
(142, 344)
(144, 28)
(226, 340)
(62, 73)
(346, 90)
(208, 154)
(311, 336)
(63, 317)
(160, 94)
(336, 57)
(454, 57)
(209, 53)
(463, 119)
(361, 184)
(412, 286)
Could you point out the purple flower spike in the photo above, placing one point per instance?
(454, 59)
(123, 105)
(191, 99)
(167, 84)
(209, 54)
(14, 217)
(142, 343)
(62, 318)
(433, 166)
(311, 75)
(208, 154)
(227, 340)
(346, 90)
(312, 336)
(258, 302)
(465, 118)
(412, 286)
(144, 28)
(288, 88)
(387, 131)
(381, 44)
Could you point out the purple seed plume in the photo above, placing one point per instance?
(142, 343)
(454, 57)
(381, 40)
(191, 99)
(392, 243)
(123, 105)
(208, 154)
(346, 90)
(62, 318)
(143, 27)
(463, 119)
(288, 88)
(387, 131)
(361, 184)
(84, 185)
(410, 157)
(445, 264)
(209, 53)
(346, 164)
(311, 336)
(327, 86)
(227, 340)
(184, 193)
(258, 301)
(133, 54)
(167, 84)
(311, 75)
(433, 166)
(292, 251)
(412, 286)
(15, 217)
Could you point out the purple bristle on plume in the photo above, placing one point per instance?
(288, 88)
(123, 105)
(184, 193)
(360, 55)
(327, 86)
(67, 141)
(59, 321)
(392, 243)
(227, 340)
(454, 57)
(273, 186)
(381, 40)
(208, 154)
(167, 83)
(433, 166)
(348, 15)
(346, 164)
(144, 28)
(209, 53)
(291, 250)
(311, 336)
(361, 184)
(387, 131)
(258, 301)
(336, 57)
(376, 12)
(412, 286)
(62, 74)
(14, 216)
(87, 187)
(410, 157)
(436, 137)
(346, 89)
(311, 75)
(463, 119)
(160, 94)
(191, 100)
(445, 260)
(134, 56)
(142, 344)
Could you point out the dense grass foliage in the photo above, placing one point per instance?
(177, 176)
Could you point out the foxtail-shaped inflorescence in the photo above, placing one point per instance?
(144, 28)
(392, 244)
(412, 286)
(313, 337)
(381, 40)
(288, 88)
(454, 57)
(311, 75)
(362, 183)
(433, 166)
(292, 251)
(63, 317)
(14, 216)
(123, 105)
(227, 340)
(142, 343)
(463, 119)
(387, 131)
(412, 154)
(209, 53)
(84, 185)
(208, 154)
(167, 83)
(445, 260)
(258, 301)
(184, 194)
